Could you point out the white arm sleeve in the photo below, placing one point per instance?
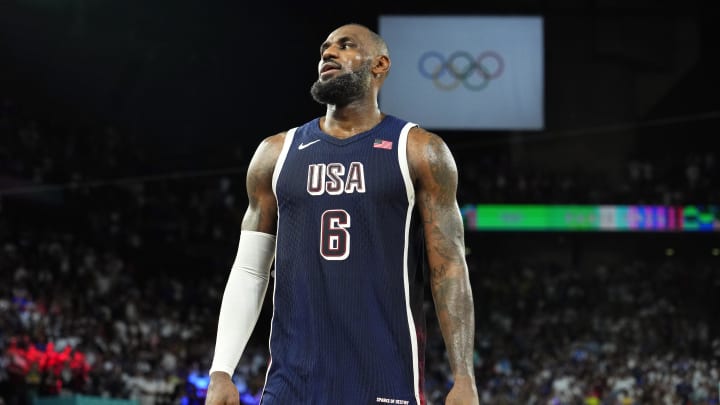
(243, 298)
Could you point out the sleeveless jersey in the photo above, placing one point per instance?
(347, 324)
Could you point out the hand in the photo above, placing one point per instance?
(222, 391)
(463, 392)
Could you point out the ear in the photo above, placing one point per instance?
(381, 66)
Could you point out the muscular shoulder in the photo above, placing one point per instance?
(263, 162)
(429, 157)
(270, 147)
(267, 152)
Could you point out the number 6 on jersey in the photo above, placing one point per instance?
(334, 236)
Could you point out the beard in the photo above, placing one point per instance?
(344, 89)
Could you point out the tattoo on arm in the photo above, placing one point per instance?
(446, 253)
(441, 211)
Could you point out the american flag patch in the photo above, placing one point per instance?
(382, 144)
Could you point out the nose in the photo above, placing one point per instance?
(329, 53)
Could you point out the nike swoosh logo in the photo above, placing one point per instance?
(305, 145)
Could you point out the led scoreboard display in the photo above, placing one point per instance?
(599, 218)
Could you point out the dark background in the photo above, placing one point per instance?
(126, 127)
(184, 74)
(188, 89)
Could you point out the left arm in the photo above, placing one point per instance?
(435, 177)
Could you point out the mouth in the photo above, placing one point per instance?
(329, 67)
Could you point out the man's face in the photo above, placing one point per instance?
(344, 69)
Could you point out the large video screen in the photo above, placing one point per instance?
(465, 72)
(594, 218)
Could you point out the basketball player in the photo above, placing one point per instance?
(356, 208)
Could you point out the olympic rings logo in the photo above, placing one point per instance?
(461, 68)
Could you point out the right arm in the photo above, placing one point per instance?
(249, 277)
(261, 214)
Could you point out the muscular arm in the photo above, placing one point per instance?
(435, 177)
(261, 214)
(248, 280)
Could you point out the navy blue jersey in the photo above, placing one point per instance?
(347, 324)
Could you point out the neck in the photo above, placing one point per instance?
(352, 119)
